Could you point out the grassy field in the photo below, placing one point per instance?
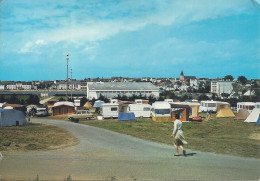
(34, 137)
(222, 135)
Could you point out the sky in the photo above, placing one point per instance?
(128, 38)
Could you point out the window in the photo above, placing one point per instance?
(113, 108)
(251, 107)
(211, 104)
(191, 111)
(162, 111)
(146, 109)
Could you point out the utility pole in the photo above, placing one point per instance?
(67, 58)
(71, 83)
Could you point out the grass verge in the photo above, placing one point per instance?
(218, 135)
(34, 137)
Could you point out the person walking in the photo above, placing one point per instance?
(178, 136)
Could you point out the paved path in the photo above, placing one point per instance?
(105, 155)
(46, 100)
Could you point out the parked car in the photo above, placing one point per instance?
(81, 115)
(41, 112)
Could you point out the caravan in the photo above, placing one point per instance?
(161, 111)
(140, 110)
(212, 106)
(109, 110)
(246, 105)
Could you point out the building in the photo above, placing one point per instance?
(113, 89)
(220, 87)
(185, 78)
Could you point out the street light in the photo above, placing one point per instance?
(67, 58)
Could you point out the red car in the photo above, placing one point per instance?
(199, 118)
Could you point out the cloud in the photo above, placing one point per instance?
(80, 22)
(32, 47)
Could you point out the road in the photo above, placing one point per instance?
(106, 155)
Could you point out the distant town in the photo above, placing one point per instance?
(222, 88)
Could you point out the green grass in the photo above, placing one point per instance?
(34, 137)
(222, 135)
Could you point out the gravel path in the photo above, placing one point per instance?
(106, 155)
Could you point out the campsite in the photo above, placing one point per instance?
(217, 135)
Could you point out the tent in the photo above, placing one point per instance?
(126, 116)
(10, 117)
(253, 117)
(87, 105)
(258, 120)
(242, 114)
(224, 113)
(98, 103)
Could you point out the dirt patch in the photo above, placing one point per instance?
(255, 136)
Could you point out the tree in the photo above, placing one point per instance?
(229, 77)
(83, 101)
(242, 79)
(2, 98)
(151, 99)
(61, 99)
(14, 100)
(203, 97)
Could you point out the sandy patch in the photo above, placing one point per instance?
(255, 136)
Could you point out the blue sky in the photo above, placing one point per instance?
(129, 38)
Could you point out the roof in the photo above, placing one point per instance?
(161, 105)
(63, 103)
(219, 102)
(189, 77)
(123, 86)
(179, 106)
(109, 104)
(13, 105)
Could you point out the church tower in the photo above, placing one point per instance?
(181, 76)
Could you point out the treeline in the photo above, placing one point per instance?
(224, 97)
(20, 99)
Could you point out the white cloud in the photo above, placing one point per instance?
(92, 24)
(32, 47)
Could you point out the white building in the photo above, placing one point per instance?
(113, 89)
(72, 85)
(219, 87)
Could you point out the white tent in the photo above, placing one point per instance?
(10, 117)
(252, 118)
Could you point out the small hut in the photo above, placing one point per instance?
(63, 108)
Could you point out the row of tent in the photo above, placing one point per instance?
(253, 117)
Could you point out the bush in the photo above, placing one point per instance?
(7, 143)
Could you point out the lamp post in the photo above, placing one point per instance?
(67, 58)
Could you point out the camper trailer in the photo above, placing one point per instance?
(41, 111)
(246, 105)
(140, 110)
(161, 111)
(109, 110)
(212, 106)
